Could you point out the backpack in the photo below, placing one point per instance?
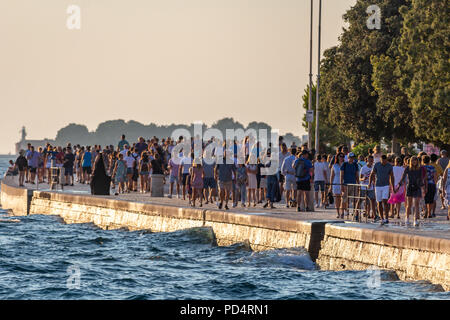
(300, 171)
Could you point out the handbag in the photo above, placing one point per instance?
(330, 197)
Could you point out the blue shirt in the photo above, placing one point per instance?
(350, 170)
(308, 166)
(430, 174)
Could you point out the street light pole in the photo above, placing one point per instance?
(318, 80)
(310, 76)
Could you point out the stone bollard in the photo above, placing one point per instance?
(311, 200)
(157, 185)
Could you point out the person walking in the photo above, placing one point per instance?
(370, 203)
(382, 174)
(397, 198)
(252, 181)
(431, 177)
(144, 171)
(416, 179)
(86, 163)
(21, 164)
(349, 177)
(320, 176)
(288, 172)
(120, 174)
(197, 174)
(446, 189)
(335, 183)
(303, 173)
(224, 174)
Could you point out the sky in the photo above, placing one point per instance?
(160, 61)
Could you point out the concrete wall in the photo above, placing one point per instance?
(18, 200)
(334, 246)
(360, 247)
(259, 232)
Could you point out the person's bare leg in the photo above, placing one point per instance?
(386, 208)
(416, 209)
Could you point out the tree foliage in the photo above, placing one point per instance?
(109, 132)
(425, 73)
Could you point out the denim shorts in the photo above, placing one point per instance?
(209, 183)
(320, 184)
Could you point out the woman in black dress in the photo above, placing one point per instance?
(100, 181)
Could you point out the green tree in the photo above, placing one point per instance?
(393, 104)
(348, 91)
(73, 133)
(425, 73)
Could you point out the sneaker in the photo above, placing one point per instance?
(382, 222)
(265, 205)
(317, 206)
(219, 205)
(169, 196)
(298, 209)
(376, 219)
(416, 223)
(386, 221)
(226, 207)
(234, 205)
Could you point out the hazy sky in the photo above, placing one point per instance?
(161, 61)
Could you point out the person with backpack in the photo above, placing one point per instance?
(303, 173)
(21, 164)
(349, 175)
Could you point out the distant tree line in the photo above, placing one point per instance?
(390, 84)
(109, 132)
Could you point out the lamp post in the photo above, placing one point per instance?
(318, 80)
(310, 76)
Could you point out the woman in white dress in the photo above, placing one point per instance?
(335, 183)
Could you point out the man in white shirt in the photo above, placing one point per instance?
(320, 176)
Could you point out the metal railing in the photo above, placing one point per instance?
(354, 197)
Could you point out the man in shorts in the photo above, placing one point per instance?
(209, 183)
(382, 172)
(366, 191)
(349, 175)
(288, 172)
(303, 173)
(69, 159)
(223, 173)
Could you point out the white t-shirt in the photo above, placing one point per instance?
(365, 172)
(398, 173)
(319, 168)
(129, 160)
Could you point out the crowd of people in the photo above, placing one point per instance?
(376, 182)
